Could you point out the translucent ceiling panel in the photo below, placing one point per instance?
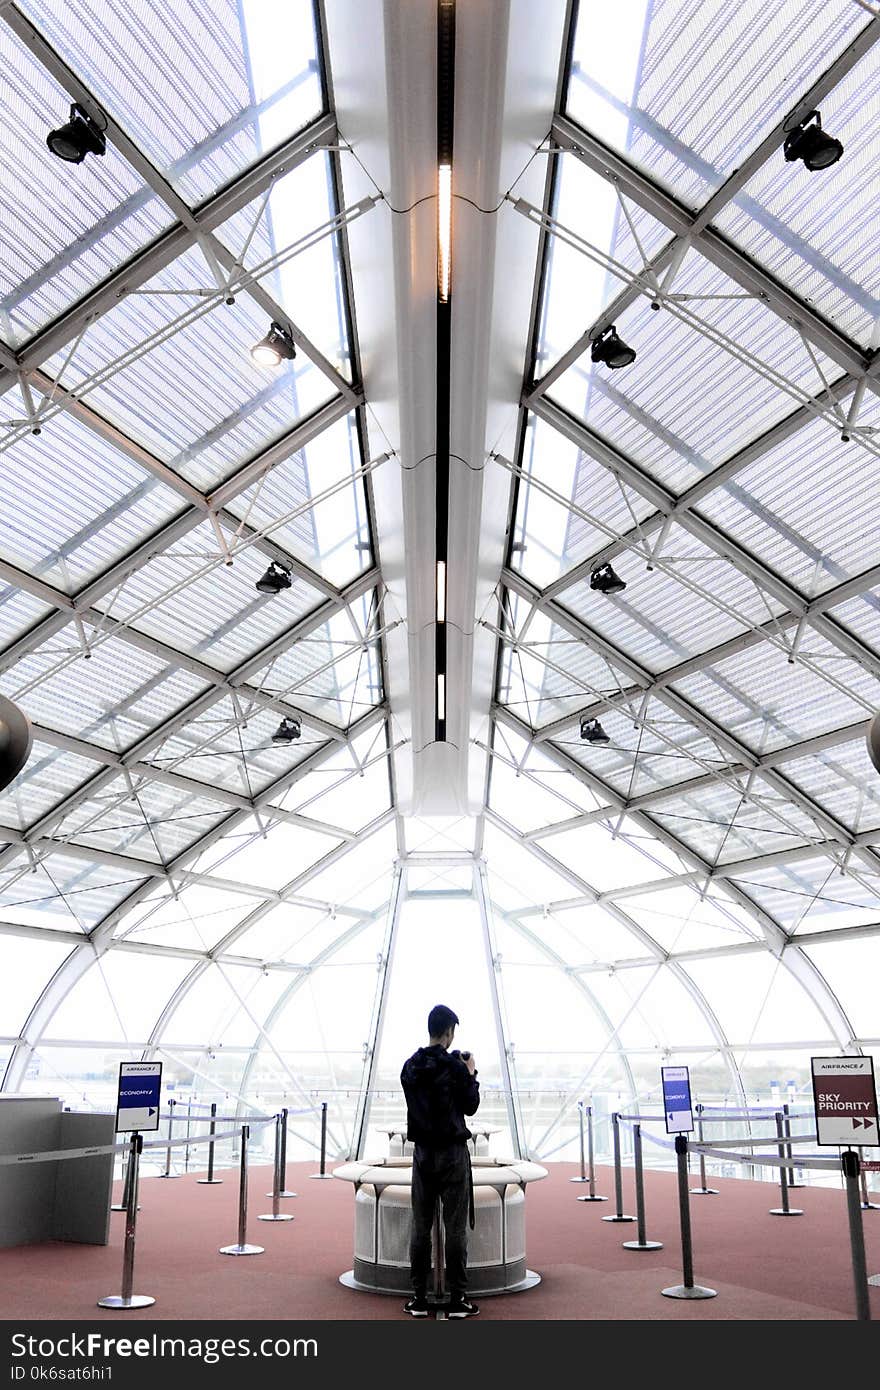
(224, 750)
(801, 507)
(606, 861)
(361, 878)
(49, 775)
(852, 969)
(153, 821)
(587, 508)
(196, 919)
(332, 673)
(119, 998)
(269, 856)
(757, 1000)
(225, 1004)
(72, 503)
(724, 825)
(353, 800)
(765, 701)
(842, 780)
(551, 674)
(679, 425)
(177, 375)
(861, 616)
(647, 749)
(687, 90)
(189, 598)
(294, 933)
(578, 286)
(450, 833)
(203, 90)
(543, 771)
(819, 246)
(678, 920)
(306, 281)
(517, 878)
(113, 699)
(522, 801)
(812, 894)
(330, 535)
(28, 966)
(62, 893)
(692, 600)
(65, 228)
(18, 613)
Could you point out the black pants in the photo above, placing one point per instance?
(443, 1173)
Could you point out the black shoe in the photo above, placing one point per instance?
(462, 1308)
(417, 1306)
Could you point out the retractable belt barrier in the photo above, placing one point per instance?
(8, 1160)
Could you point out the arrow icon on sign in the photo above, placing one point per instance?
(857, 1123)
(152, 1112)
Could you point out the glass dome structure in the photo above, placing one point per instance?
(275, 918)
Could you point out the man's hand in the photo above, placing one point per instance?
(470, 1063)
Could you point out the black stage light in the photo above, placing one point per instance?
(80, 136)
(810, 143)
(274, 580)
(287, 731)
(277, 346)
(592, 732)
(611, 349)
(16, 737)
(607, 581)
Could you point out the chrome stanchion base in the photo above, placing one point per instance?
(704, 1191)
(115, 1300)
(241, 1249)
(780, 1211)
(320, 1176)
(285, 1193)
(642, 1244)
(796, 1184)
(620, 1218)
(874, 1279)
(118, 1206)
(591, 1197)
(870, 1206)
(211, 1182)
(170, 1175)
(695, 1291)
(282, 1216)
(579, 1180)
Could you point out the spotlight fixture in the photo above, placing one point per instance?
(592, 731)
(611, 349)
(276, 347)
(809, 142)
(79, 136)
(287, 731)
(274, 580)
(606, 581)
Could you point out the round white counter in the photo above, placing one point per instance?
(382, 1219)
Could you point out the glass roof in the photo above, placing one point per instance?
(208, 848)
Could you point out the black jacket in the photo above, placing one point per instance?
(439, 1092)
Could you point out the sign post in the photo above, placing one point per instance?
(677, 1100)
(137, 1104)
(846, 1101)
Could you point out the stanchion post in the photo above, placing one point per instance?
(242, 1247)
(786, 1125)
(188, 1133)
(642, 1243)
(583, 1172)
(276, 1214)
(127, 1299)
(687, 1288)
(285, 1192)
(618, 1174)
(323, 1173)
(123, 1204)
(785, 1209)
(168, 1173)
(850, 1163)
(591, 1196)
(212, 1130)
(703, 1190)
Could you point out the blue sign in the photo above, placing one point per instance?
(137, 1105)
(677, 1100)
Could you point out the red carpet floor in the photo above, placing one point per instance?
(763, 1267)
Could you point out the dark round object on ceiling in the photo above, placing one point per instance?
(16, 737)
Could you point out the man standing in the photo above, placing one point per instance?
(441, 1087)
